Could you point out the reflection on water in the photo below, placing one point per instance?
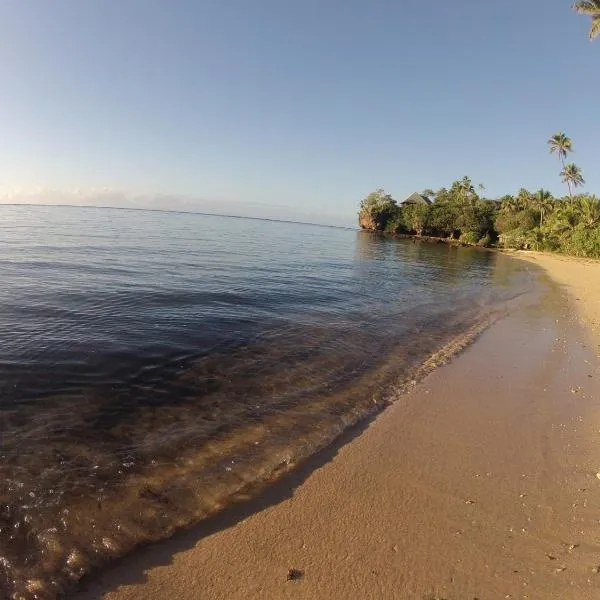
(154, 366)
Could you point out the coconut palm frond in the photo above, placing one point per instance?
(590, 8)
(595, 28)
(561, 144)
(572, 174)
(587, 7)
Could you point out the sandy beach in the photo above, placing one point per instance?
(580, 277)
(480, 483)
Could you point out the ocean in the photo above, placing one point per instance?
(156, 367)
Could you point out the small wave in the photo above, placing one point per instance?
(163, 475)
(137, 402)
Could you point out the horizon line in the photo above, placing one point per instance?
(182, 212)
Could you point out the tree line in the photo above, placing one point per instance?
(534, 220)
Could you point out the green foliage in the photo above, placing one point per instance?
(443, 216)
(541, 201)
(560, 144)
(396, 224)
(571, 226)
(523, 239)
(377, 210)
(470, 237)
(486, 241)
(460, 209)
(455, 212)
(589, 210)
(520, 219)
(415, 217)
(572, 176)
(582, 241)
(524, 221)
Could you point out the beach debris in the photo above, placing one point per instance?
(560, 569)
(598, 475)
(469, 501)
(551, 556)
(395, 547)
(572, 547)
(295, 574)
(596, 570)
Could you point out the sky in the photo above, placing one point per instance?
(289, 109)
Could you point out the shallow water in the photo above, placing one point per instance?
(156, 366)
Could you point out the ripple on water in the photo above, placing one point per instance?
(155, 368)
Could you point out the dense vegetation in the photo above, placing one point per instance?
(533, 220)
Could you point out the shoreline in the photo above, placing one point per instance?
(426, 239)
(580, 277)
(421, 503)
(249, 411)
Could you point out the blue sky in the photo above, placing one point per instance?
(282, 108)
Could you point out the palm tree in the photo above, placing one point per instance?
(524, 198)
(592, 9)
(542, 200)
(590, 210)
(562, 145)
(564, 218)
(572, 176)
(466, 186)
(509, 204)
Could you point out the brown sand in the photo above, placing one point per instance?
(579, 276)
(480, 483)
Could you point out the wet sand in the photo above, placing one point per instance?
(479, 483)
(579, 276)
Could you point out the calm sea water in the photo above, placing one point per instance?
(156, 366)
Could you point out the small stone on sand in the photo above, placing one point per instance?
(295, 575)
(560, 569)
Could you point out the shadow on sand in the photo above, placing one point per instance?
(131, 569)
